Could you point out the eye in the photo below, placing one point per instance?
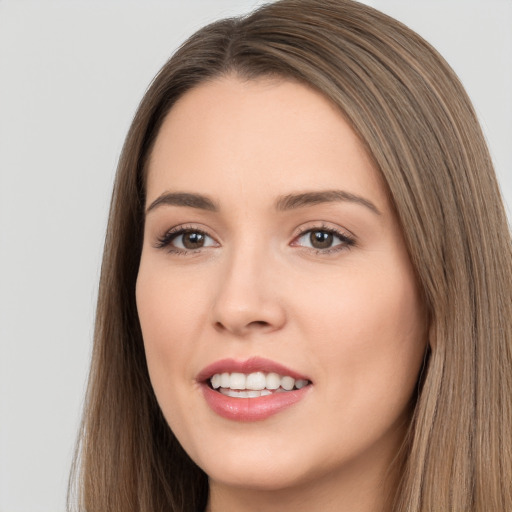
(186, 239)
(192, 240)
(324, 240)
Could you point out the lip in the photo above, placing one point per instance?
(249, 409)
(254, 364)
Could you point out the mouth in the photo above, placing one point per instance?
(254, 385)
(251, 390)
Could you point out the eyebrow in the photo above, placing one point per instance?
(293, 201)
(184, 199)
(283, 203)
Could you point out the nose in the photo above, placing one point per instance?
(248, 299)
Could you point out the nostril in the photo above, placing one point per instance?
(259, 323)
(256, 324)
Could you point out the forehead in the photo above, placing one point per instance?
(268, 136)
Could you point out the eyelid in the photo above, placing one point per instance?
(322, 225)
(347, 238)
(165, 240)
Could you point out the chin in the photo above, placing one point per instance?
(258, 465)
(271, 466)
(257, 477)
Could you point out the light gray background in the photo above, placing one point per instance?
(71, 75)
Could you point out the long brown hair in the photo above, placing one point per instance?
(417, 123)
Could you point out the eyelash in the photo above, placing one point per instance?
(165, 240)
(347, 241)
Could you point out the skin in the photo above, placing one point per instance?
(349, 317)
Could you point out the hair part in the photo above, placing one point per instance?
(419, 127)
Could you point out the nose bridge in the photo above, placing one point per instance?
(247, 299)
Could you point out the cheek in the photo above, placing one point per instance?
(365, 307)
(371, 332)
(169, 301)
(170, 316)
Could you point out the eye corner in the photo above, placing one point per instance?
(323, 243)
(203, 240)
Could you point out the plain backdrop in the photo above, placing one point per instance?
(71, 75)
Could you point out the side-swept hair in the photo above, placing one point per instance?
(417, 123)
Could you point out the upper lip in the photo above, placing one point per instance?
(254, 364)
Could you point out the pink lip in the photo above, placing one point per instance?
(254, 364)
(249, 409)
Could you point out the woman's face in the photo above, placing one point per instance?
(272, 258)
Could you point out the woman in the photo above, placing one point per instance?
(305, 299)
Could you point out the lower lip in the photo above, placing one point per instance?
(251, 409)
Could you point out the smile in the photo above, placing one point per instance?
(251, 390)
(254, 385)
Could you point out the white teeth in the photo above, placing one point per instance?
(254, 384)
(287, 383)
(273, 381)
(237, 381)
(224, 380)
(256, 381)
(216, 381)
(300, 383)
(234, 393)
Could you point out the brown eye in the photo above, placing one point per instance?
(186, 240)
(193, 240)
(321, 239)
(324, 240)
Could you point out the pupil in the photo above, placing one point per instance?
(193, 240)
(321, 239)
